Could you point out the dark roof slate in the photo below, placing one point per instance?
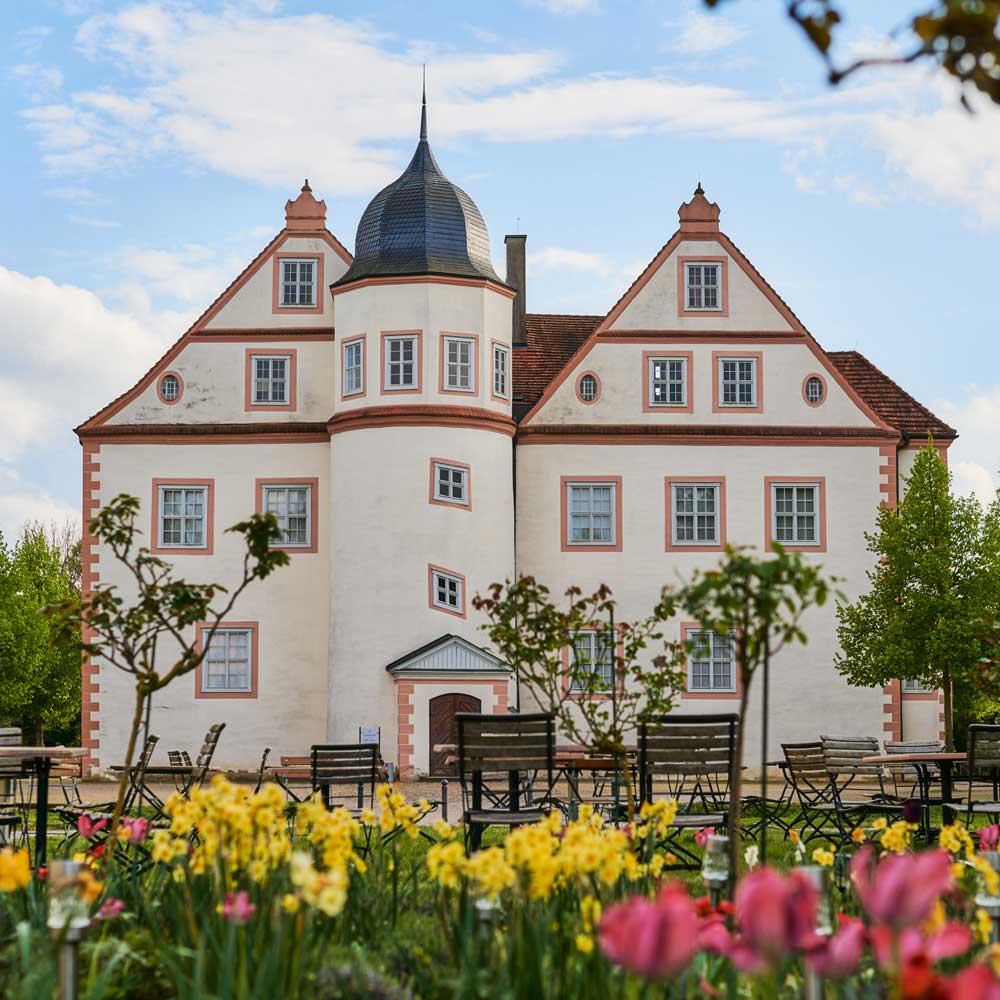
(552, 340)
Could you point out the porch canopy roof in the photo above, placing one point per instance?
(450, 655)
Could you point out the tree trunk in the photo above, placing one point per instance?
(736, 787)
(949, 735)
(37, 733)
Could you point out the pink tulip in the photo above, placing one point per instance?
(840, 956)
(136, 829)
(237, 908)
(988, 837)
(86, 827)
(702, 835)
(901, 890)
(655, 939)
(976, 982)
(776, 916)
(913, 947)
(110, 909)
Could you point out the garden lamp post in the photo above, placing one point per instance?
(68, 920)
(819, 876)
(715, 867)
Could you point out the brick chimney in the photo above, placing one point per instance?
(516, 278)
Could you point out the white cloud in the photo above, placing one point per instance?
(19, 505)
(975, 457)
(94, 222)
(566, 6)
(697, 33)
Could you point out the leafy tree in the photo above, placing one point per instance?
(961, 36)
(40, 665)
(533, 635)
(152, 639)
(760, 600)
(936, 579)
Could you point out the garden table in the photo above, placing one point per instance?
(922, 763)
(41, 758)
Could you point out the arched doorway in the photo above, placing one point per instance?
(442, 729)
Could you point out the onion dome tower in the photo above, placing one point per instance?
(422, 508)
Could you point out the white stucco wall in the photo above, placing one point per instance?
(214, 376)
(655, 306)
(921, 717)
(250, 307)
(621, 370)
(808, 696)
(291, 608)
(433, 309)
(384, 533)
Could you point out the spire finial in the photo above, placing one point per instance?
(305, 186)
(699, 189)
(423, 107)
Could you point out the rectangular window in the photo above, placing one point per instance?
(712, 662)
(911, 686)
(354, 367)
(447, 591)
(270, 378)
(795, 513)
(459, 361)
(227, 665)
(401, 356)
(696, 513)
(668, 378)
(298, 282)
(738, 381)
(292, 508)
(591, 661)
(592, 513)
(182, 518)
(702, 286)
(451, 483)
(501, 371)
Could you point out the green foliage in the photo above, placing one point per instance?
(40, 664)
(935, 580)
(961, 36)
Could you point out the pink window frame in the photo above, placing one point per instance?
(180, 388)
(200, 630)
(293, 359)
(431, 570)
(819, 481)
(383, 336)
(668, 484)
(647, 360)
(154, 536)
(468, 484)
(311, 481)
(277, 309)
(717, 356)
(682, 309)
(363, 340)
(452, 335)
(565, 544)
(686, 629)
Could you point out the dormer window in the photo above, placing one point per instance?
(703, 286)
(298, 282)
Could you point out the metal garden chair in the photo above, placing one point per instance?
(13, 816)
(982, 768)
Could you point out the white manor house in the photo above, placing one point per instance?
(419, 435)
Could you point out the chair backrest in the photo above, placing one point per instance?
(693, 756)
(844, 756)
(904, 776)
(10, 767)
(807, 769)
(984, 747)
(349, 765)
(207, 752)
(263, 768)
(505, 743)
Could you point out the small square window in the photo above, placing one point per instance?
(292, 508)
(459, 364)
(402, 355)
(354, 367)
(228, 665)
(711, 662)
(501, 371)
(592, 513)
(451, 483)
(447, 591)
(271, 373)
(183, 513)
(737, 382)
(703, 286)
(591, 662)
(668, 382)
(298, 282)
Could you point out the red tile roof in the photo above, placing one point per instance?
(892, 403)
(553, 339)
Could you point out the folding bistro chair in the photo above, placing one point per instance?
(262, 769)
(511, 746)
(344, 774)
(982, 769)
(844, 757)
(689, 758)
(179, 758)
(13, 817)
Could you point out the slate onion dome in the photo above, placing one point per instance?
(421, 223)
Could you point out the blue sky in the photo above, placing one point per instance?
(149, 150)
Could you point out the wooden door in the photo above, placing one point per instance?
(443, 729)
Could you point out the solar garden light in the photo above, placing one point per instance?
(819, 876)
(715, 867)
(988, 902)
(67, 921)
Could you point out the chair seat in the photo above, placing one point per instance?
(976, 807)
(503, 817)
(695, 821)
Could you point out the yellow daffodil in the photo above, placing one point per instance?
(15, 869)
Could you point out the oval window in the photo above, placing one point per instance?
(170, 388)
(588, 387)
(814, 390)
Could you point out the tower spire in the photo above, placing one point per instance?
(423, 107)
